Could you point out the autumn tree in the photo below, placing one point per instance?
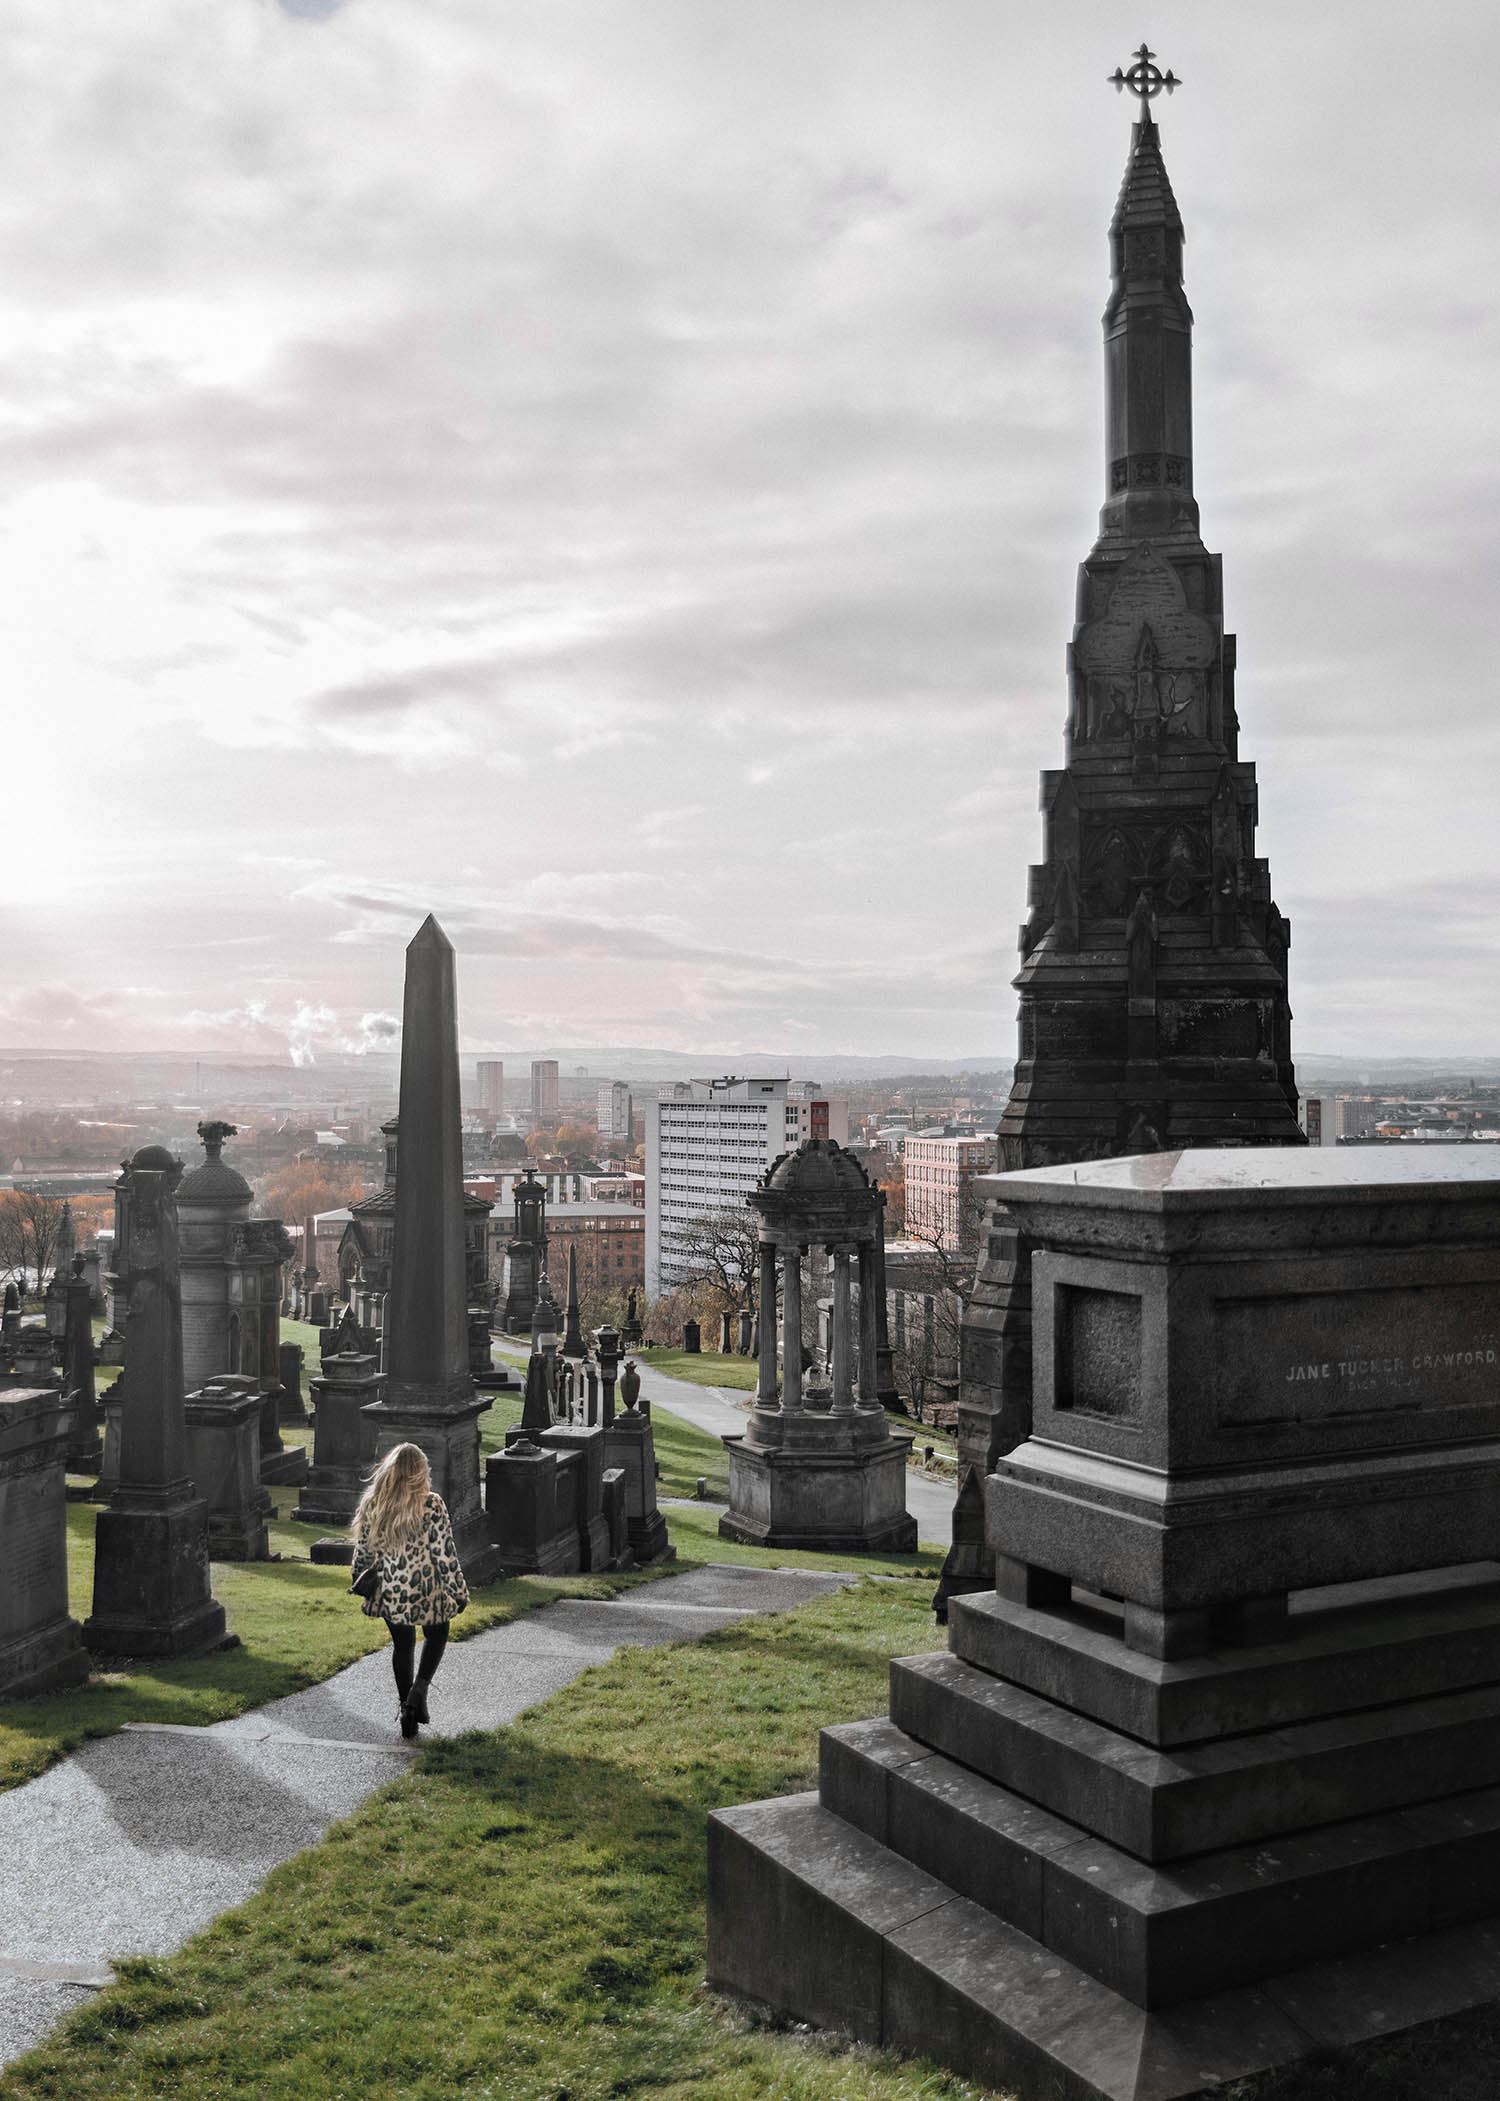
(304, 1187)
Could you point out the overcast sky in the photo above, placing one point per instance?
(614, 475)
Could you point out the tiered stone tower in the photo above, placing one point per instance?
(1153, 982)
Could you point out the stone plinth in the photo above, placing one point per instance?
(223, 1427)
(1129, 1845)
(612, 1497)
(819, 1478)
(343, 1439)
(630, 1445)
(1305, 1345)
(531, 1501)
(41, 1648)
(285, 1464)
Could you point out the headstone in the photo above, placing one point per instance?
(536, 1409)
(530, 1500)
(429, 1397)
(92, 1277)
(616, 1517)
(223, 1436)
(726, 1342)
(343, 1439)
(692, 1341)
(41, 1648)
(630, 1335)
(607, 1343)
(85, 1442)
(151, 1579)
(10, 1318)
(594, 1552)
(290, 1406)
(591, 1393)
(746, 1344)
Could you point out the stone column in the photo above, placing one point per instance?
(871, 1297)
(85, 1445)
(765, 1392)
(791, 1328)
(151, 1582)
(843, 1379)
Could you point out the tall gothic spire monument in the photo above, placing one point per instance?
(1153, 980)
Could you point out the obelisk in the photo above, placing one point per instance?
(429, 1396)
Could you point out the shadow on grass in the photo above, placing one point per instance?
(523, 1913)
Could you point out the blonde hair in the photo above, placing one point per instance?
(389, 1513)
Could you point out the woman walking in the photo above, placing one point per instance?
(402, 1537)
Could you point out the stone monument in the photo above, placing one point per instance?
(151, 1580)
(630, 1446)
(86, 1441)
(819, 1476)
(223, 1430)
(41, 1649)
(1153, 980)
(573, 1344)
(429, 1397)
(343, 1452)
(1206, 1781)
(525, 1254)
(231, 1293)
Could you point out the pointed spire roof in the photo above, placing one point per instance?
(1146, 197)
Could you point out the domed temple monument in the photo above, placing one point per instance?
(819, 1468)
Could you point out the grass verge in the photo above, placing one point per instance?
(522, 1915)
(707, 1368)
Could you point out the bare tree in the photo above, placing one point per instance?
(720, 1253)
(940, 1279)
(29, 1226)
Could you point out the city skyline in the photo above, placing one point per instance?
(617, 482)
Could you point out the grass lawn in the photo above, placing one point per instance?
(707, 1368)
(521, 1916)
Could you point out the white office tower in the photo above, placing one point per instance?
(708, 1142)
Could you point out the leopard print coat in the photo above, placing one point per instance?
(421, 1582)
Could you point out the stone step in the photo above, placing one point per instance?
(1384, 1642)
(1168, 1805)
(1161, 1936)
(826, 1925)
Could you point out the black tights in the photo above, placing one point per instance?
(404, 1649)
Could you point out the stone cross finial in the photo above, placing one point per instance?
(1144, 78)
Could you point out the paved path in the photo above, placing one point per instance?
(720, 1411)
(141, 1839)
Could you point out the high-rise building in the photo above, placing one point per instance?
(708, 1142)
(615, 1112)
(544, 1090)
(492, 1085)
(1153, 980)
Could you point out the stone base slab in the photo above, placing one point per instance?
(817, 1920)
(1169, 1805)
(898, 1538)
(1163, 1936)
(45, 1660)
(1406, 1638)
(151, 1590)
(287, 1469)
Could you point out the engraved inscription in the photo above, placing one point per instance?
(1315, 1357)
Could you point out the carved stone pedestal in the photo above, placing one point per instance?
(805, 1477)
(343, 1440)
(223, 1431)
